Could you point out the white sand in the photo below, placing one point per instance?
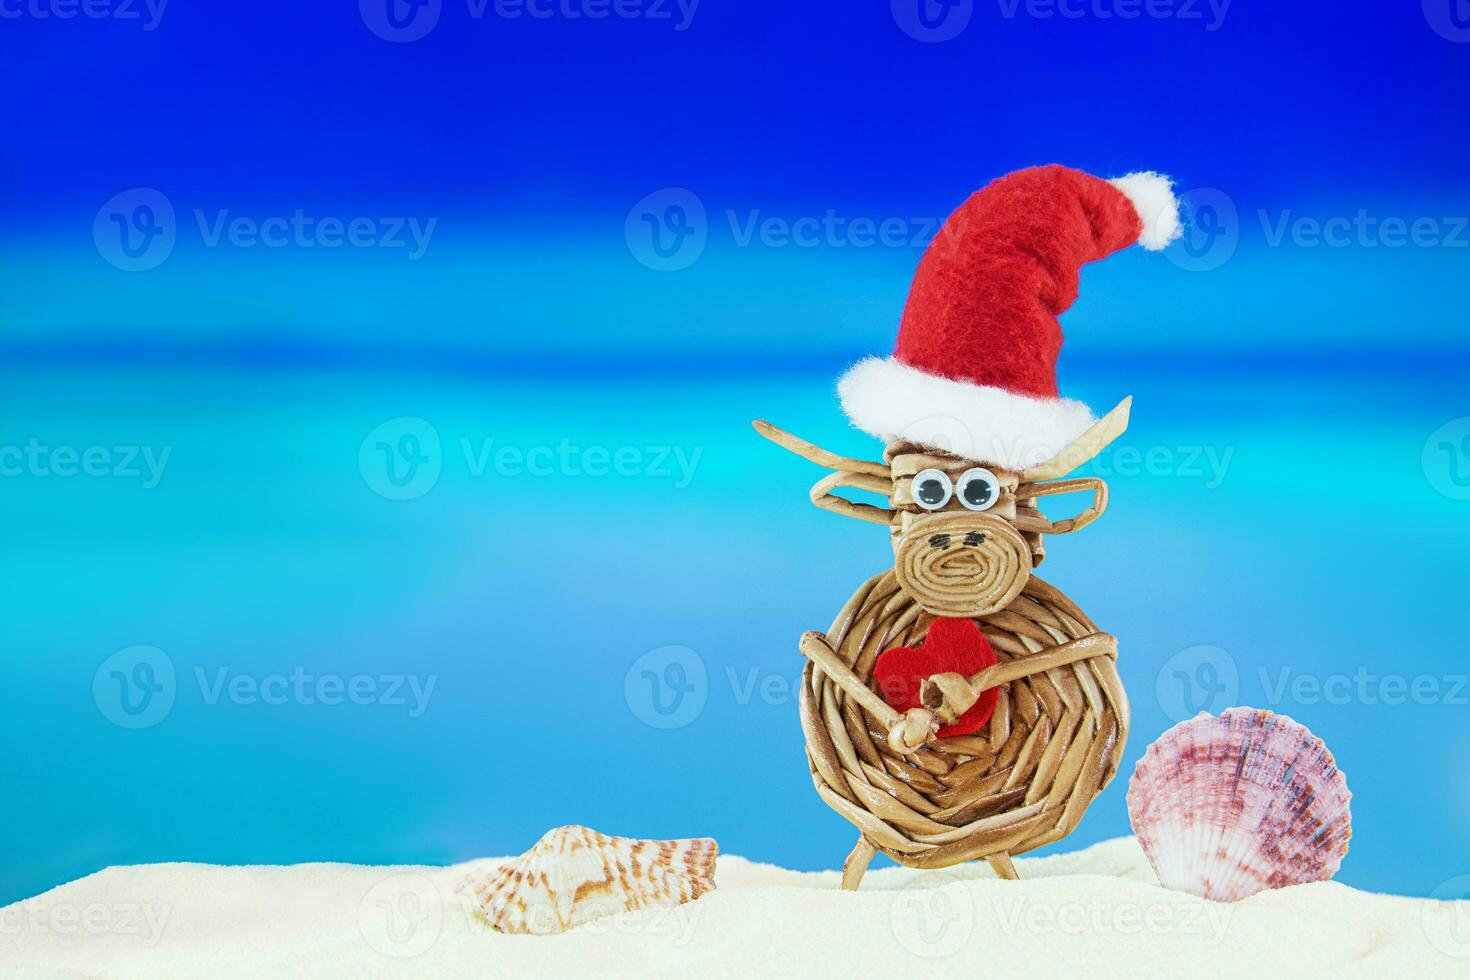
(1094, 913)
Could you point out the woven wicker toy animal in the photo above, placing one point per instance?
(959, 707)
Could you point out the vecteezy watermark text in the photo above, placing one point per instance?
(302, 230)
(1214, 224)
(1210, 13)
(569, 459)
(404, 21)
(669, 229)
(678, 13)
(403, 458)
(36, 459)
(36, 917)
(137, 687)
(1206, 920)
(304, 688)
(937, 915)
(148, 13)
(1365, 687)
(1364, 229)
(829, 230)
(137, 229)
(936, 21)
(1208, 678)
(1208, 464)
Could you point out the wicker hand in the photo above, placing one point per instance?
(914, 729)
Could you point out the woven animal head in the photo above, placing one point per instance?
(966, 534)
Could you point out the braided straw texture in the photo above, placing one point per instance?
(1022, 781)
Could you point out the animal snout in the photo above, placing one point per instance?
(961, 565)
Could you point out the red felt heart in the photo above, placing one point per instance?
(951, 646)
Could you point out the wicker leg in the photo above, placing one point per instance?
(857, 863)
(1002, 866)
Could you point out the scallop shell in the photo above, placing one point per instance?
(1227, 807)
(574, 875)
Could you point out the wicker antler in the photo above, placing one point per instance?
(1029, 518)
(855, 473)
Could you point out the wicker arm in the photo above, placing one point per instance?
(907, 732)
(948, 696)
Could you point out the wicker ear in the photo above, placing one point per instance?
(1029, 518)
(855, 473)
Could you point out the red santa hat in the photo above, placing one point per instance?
(977, 348)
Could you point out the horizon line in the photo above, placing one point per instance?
(295, 356)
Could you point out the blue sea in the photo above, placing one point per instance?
(279, 632)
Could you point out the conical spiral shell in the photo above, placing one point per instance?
(574, 875)
(1227, 807)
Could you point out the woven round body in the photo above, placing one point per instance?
(1022, 781)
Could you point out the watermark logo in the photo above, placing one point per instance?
(135, 688)
(402, 916)
(135, 230)
(1450, 19)
(667, 687)
(932, 21)
(1199, 678)
(1446, 459)
(932, 917)
(667, 230)
(400, 21)
(1445, 917)
(1211, 230)
(401, 459)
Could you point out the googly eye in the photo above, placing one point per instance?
(978, 489)
(932, 489)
